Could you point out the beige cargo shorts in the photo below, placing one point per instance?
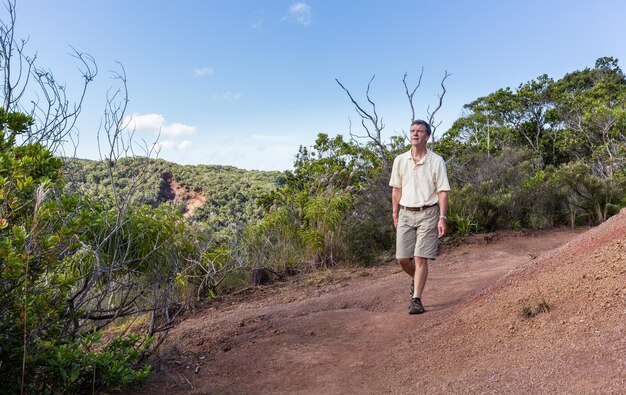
(417, 233)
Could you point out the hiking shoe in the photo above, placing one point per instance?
(412, 287)
(416, 307)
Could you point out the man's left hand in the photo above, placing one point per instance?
(442, 227)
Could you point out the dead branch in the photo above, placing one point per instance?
(410, 95)
(371, 122)
(431, 115)
(34, 91)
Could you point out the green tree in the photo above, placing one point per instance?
(514, 153)
(591, 105)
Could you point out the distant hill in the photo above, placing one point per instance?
(217, 195)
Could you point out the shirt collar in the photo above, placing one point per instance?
(409, 157)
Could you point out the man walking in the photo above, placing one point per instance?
(420, 201)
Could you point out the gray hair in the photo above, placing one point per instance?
(422, 122)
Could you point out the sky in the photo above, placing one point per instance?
(246, 83)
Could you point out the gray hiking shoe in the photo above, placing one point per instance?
(412, 287)
(416, 307)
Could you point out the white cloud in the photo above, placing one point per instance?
(184, 144)
(145, 122)
(226, 96)
(203, 72)
(300, 13)
(170, 145)
(262, 151)
(166, 144)
(178, 129)
(156, 123)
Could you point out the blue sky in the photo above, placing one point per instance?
(245, 83)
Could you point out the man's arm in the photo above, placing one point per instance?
(396, 194)
(442, 227)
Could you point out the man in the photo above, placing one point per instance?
(420, 201)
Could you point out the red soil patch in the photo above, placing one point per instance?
(189, 199)
(348, 331)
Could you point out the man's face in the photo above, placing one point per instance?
(419, 135)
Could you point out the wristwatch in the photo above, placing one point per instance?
(444, 217)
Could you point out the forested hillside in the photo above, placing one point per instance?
(215, 195)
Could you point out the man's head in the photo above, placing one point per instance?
(424, 123)
(420, 133)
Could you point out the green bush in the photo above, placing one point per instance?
(70, 266)
(85, 364)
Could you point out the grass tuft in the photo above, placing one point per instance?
(529, 311)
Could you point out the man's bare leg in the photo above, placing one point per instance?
(417, 269)
(408, 266)
(421, 273)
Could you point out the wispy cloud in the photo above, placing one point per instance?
(156, 123)
(226, 96)
(274, 157)
(170, 145)
(274, 139)
(258, 21)
(203, 72)
(299, 13)
(178, 129)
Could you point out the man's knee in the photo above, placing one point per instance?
(419, 261)
(405, 262)
(407, 265)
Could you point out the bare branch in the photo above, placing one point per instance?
(34, 91)
(372, 119)
(412, 93)
(431, 115)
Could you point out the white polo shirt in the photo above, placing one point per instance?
(420, 182)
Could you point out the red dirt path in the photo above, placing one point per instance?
(348, 331)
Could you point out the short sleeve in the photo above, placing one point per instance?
(396, 179)
(442, 183)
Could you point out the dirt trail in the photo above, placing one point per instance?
(348, 332)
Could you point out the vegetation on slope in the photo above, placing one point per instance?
(229, 193)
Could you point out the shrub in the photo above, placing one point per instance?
(84, 364)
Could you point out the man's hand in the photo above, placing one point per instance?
(395, 220)
(442, 227)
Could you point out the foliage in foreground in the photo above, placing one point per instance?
(66, 273)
